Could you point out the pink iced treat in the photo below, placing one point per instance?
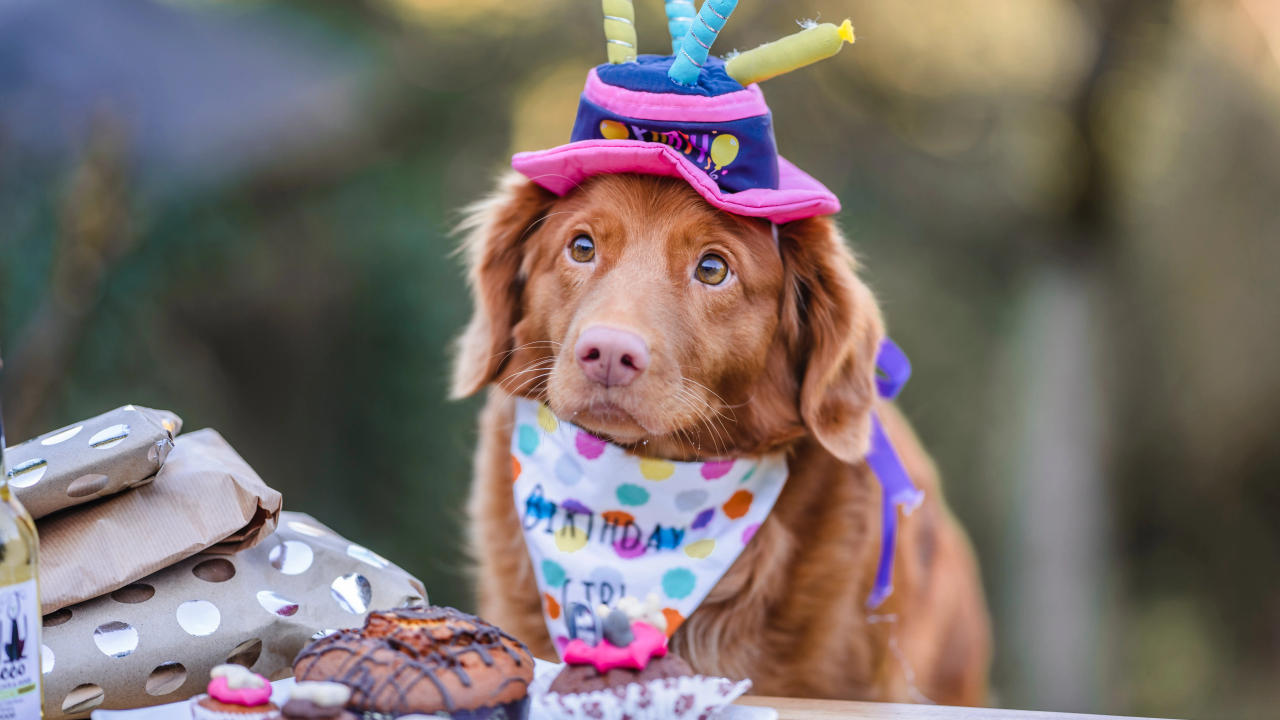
(248, 697)
(649, 643)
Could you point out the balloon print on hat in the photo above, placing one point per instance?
(614, 130)
(724, 150)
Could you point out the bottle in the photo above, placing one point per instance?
(20, 622)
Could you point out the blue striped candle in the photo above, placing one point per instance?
(697, 42)
(679, 17)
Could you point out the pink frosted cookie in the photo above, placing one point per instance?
(235, 693)
(632, 649)
(646, 642)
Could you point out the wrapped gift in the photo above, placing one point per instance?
(155, 641)
(205, 497)
(91, 459)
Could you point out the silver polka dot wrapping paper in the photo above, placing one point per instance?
(91, 459)
(155, 641)
(204, 497)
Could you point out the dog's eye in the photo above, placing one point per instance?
(582, 249)
(712, 269)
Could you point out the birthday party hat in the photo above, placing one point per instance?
(691, 116)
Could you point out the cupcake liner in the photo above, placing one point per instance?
(690, 696)
(203, 713)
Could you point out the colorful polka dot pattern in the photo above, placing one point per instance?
(527, 439)
(632, 495)
(656, 469)
(546, 420)
(699, 549)
(738, 505)
(570, 539)
(678, 582)
(601, 523)
(589, 446)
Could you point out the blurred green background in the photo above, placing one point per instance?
(240, 210)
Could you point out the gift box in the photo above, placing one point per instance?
(161, 557)
(205, 497)
(154, 641)
(91, 459)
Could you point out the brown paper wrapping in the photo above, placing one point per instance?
(155, 641)
(205, 495)
(91, 459)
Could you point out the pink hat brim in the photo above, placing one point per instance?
(563, 168)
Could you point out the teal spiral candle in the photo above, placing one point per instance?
(696, 44)
(679, 18)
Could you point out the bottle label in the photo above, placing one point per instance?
(19, 652)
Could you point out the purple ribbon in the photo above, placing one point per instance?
(896, 489)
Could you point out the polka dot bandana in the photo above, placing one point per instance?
(601, 523)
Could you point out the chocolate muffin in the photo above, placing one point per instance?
(423, 662)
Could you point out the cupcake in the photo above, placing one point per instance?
(433, 661)
(632, 651)
(235, 693)
(631, 674)
(318, 701)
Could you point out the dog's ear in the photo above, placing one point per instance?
(493, 247)
(835, 331)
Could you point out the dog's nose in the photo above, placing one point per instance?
(611, 356)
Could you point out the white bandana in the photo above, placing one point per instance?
(601, 523)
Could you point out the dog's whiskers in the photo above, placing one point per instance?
(718, 433)
(716, 415)
(550, 344)
(536, 366)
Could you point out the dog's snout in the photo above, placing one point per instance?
(611, 356)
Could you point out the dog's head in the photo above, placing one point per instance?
(642, 314)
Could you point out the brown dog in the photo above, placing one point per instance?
(642, 314)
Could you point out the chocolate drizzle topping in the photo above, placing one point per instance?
(398, 650)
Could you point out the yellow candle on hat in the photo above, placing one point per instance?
(620, 30)
(789, 53)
